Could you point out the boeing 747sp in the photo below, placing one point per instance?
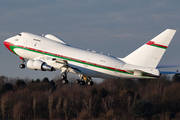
(48, 53)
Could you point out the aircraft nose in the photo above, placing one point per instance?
(8, 45)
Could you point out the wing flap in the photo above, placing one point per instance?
(66, 66)
(60, 61)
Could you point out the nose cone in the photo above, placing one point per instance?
(8, 45)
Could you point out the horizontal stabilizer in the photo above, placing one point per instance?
(151, 72)
(168, 72)
(167, 65)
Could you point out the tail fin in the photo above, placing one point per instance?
(151, 53)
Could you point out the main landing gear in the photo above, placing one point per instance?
(22, 65)
(85, 80)
(64, 75)
(82, 81)
(64, 79)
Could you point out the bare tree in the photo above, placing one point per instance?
(4, 100)
(34, 106)
(50, 104)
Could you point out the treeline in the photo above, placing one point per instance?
(26, 99)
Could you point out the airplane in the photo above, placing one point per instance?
(48, 53)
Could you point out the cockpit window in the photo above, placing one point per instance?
(19, 34)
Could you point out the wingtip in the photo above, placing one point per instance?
(172, 30)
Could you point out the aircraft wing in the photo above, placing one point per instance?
(57, 63)
(60, 61)
(66, 66)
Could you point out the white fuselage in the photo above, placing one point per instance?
(30, 46)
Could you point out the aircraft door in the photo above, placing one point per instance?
(44, 51)
(117, 67)
(87, 61)
(117, 71)
(35, 44)
(25, 44)
(24, 53)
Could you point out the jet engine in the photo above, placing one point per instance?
(39, 65)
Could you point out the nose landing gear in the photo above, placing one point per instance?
(22, 65)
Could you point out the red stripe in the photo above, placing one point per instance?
(153, 43)
(21, 58)
(8, 44)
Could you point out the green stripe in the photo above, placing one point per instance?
(159, 46)
(13, 47)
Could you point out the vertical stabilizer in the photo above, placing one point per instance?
(151, 53)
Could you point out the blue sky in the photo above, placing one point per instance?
(115, 27)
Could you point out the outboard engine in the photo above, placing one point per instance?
(39, 65)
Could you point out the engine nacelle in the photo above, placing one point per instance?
(39, 65)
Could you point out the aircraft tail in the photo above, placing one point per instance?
(151, 53)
